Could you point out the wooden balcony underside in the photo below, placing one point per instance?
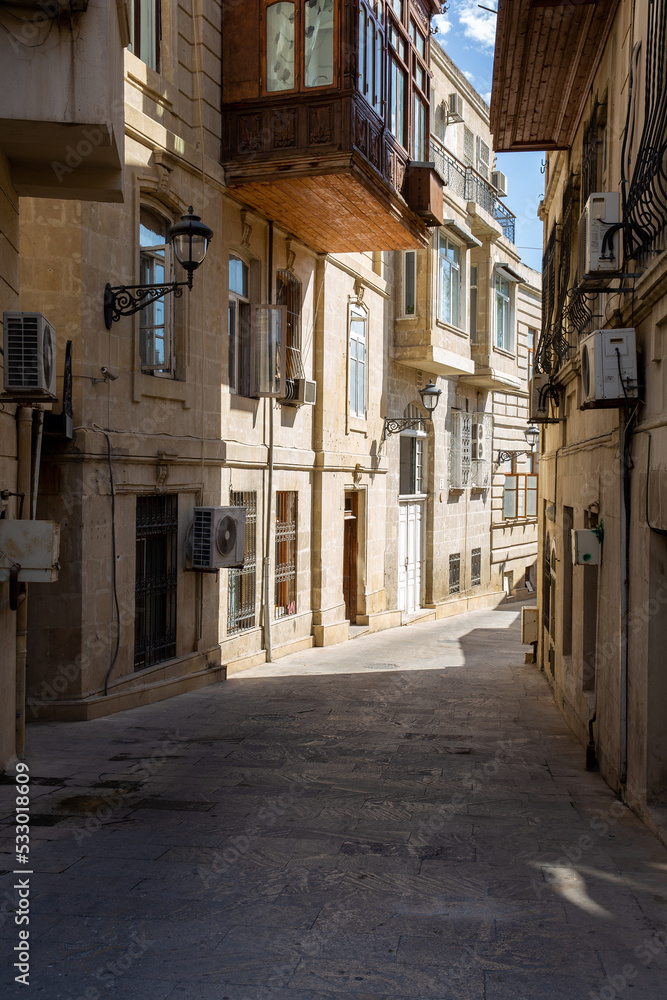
(340, 211)
(547, 52)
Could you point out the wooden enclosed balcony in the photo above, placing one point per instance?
(326, 119)
(547, 53)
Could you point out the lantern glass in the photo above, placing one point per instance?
(430, 396)
(190, 239)
(532, 436)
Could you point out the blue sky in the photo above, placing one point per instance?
(467, 33)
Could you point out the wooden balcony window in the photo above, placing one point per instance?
(299, 45)
(325, 105)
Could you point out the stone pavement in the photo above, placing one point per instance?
(403, 817)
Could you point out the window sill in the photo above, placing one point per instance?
(452, 329)
(502, 350)
(163, 387)
(358, 424)
(412, 497)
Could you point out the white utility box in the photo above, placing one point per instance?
(608, 368)
(528, 626)
(32, 545)
(585, 547)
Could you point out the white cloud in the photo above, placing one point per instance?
(487, 97)
(441, 24)
(470, 77)
(478, 25)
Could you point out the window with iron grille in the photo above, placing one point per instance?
(454, 572)
(476, 568)
(155, 579)
(289, 295)
(286, 525)
(241, 583)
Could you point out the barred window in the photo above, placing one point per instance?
(155, 579)
(242, 583)
(289, 295)
(454, 572)
(286, 548)
(476, 568)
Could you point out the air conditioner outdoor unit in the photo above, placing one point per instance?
(30, 351)
(305, 391)
(216, 539)
(599, 260)
(455, 108)
(539, 400)
(499, 181)
(608, 368)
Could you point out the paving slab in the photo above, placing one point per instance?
(402, 817)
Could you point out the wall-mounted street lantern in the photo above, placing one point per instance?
(190, 239)
(532, 434)
(430, 396)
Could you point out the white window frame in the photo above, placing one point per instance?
(455, 269)
(152, 259)
(237, 303)
(504, 343)
(404, 284)
(483, 164)
(412, 442)
(356, 365)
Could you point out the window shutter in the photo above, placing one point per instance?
(483, 158)
(482, 430)
(468, 146)
(459, 476)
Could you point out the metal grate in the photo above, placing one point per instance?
(242, 583)
(155, 579)
(21, 352)
(476, 568)
(202, 539)
(589, 158)
(286, 534)
(289, 295)
(454, 572)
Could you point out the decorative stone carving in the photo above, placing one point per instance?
(284, 129)
(290, 254)
(246, 229)
(250, 134)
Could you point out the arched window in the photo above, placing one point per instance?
(156, 321)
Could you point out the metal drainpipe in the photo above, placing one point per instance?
(625, 589)
(268, 642)
(24, 452)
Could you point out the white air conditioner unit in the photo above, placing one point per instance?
(499, 181)
(608, 368)
(455, 108)
(539, 400)
(30, 356)
(216, 538)
(599, 260)
(305, 391)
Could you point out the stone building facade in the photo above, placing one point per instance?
(603, 448)
(347, 527)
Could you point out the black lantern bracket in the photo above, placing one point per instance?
(430, 396)
(126, 300)
(189, 238)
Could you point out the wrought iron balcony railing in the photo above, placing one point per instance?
(471, 186)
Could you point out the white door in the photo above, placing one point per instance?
(409, 556)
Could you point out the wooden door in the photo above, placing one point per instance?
(350, 556)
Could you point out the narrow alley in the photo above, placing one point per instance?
(402, 817)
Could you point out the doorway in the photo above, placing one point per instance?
(350, 547)
(409, 556)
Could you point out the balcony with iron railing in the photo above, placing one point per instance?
(468, 184)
